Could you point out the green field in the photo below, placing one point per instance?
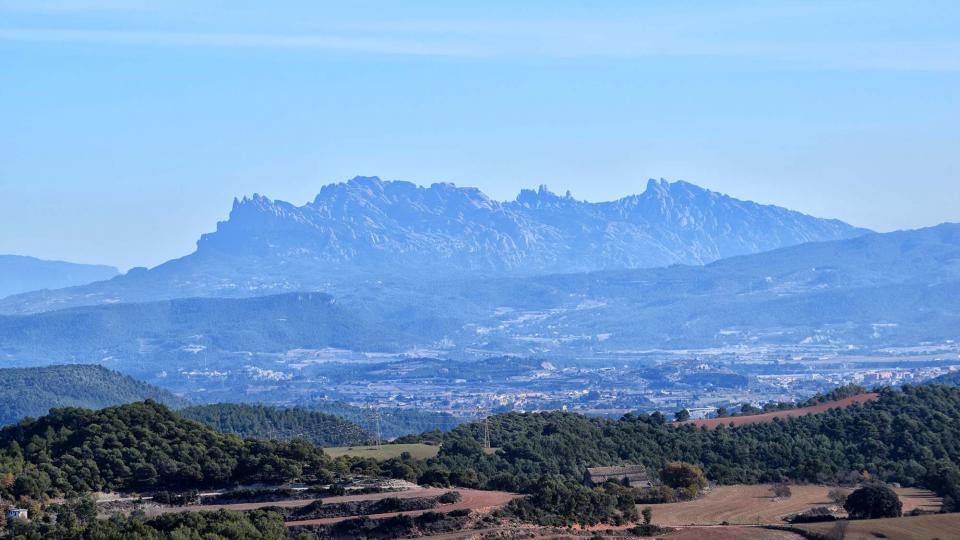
(386, 451)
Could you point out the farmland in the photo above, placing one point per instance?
(386, 451)
(783, 415)
(756, 505)
(903, 528)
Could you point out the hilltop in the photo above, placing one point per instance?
(34, 391)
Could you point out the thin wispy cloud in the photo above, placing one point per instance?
(546, 40)
(232, 40)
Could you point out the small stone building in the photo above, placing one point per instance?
(14, 514)
(628, 475)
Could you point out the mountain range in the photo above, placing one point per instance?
(874, 290)
(19, 274)
(366, 230)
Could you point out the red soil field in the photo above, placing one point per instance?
(768, 417)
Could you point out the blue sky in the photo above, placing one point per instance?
(126, 128)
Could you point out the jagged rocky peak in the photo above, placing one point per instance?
(451, 228)
(372, 188)
(258, 207)
(542, 197)
(663, 189)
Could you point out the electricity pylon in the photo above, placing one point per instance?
(482, 414)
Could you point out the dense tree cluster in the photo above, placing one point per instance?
(141, 446)
(71, 522)
(394, 422)
(264, 422)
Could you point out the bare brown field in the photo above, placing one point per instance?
(942, 526)
(751, 505)
(385, 451)
(768, 417)
(730, 533)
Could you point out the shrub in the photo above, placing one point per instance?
(781, 490)
(838, 496)
(873, 501)
(684, 476)
(450, 497)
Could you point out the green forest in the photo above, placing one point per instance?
(265, 422)
(34, 391)
(141, 446)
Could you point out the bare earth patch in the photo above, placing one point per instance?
(941, 526)
(768, 417)
(384, 452)
(752, 505)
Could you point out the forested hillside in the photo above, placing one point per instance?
(76, 522)
(394, 422)
(141, 446)
(949, 379)
(909, 436)
(34, 391)
(264, 422)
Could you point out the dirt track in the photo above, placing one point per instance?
(472, 499)
(768, 417)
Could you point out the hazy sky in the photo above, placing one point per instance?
(126, 128)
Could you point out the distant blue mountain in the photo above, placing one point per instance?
(20, 274)
(877, 290)
(368, 229)
(369, 225)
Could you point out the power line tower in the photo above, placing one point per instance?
(485, 417)
(373, 423)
